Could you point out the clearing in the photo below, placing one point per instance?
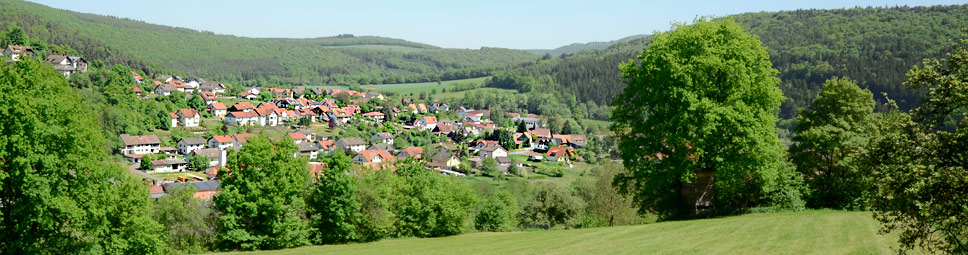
(809, 232)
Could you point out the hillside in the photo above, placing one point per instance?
(874, 46)
(577, 47)
(156, 48)
(812, 232)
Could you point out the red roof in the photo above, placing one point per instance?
(218, 106)
(430, 119)
(241, 114)
(373, 114)
(187, 112)
(297, 136)
(223, 139)
(172, 115)
(326, 145)
(369, 155)
(243, 105)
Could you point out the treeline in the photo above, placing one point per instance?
(352, 40)
(251, 61)
(873, 46)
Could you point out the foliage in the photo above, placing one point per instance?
(514, 170)
(489, 167)
(59, 194)
(189, 223)
(332, 204)
(918, 162)
(604, 204)
(552, 205)
(431, 204)
(14, 35)
(146, 162)
(830, 136)
(261, 202)
(498, 213)
(701, 100)
(198, 163)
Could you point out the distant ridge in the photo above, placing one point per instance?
(577, 47)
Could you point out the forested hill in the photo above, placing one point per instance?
(874, 46)
(342, 59)
(577, 47)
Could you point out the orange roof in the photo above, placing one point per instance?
(430, 119)
(187, 112)
(297, 136)
(373, 114)
(223, 139)
(242, 138)
(218, 106)
(369, 155)
(326, 145)
(243, 105)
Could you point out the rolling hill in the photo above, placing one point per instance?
(313, 61)
(577, 47)
(811, 232)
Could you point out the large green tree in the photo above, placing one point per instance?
(334, 211)
(919, 161)
(59, 193)
(14, 35)
(189, 225)
(830, 136)
(702, 100)
(262, 201)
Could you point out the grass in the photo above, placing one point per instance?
(460, 94)
(810, 232)
(174, 176)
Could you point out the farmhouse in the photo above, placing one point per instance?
(67, 65)
(140, 145)
(354, 144)
(382, 137)
(189, 144)
(185, 118)
(218, 109)
(16, 52)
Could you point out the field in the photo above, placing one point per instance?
(416, 88)
(810, 232)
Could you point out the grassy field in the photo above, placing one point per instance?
(810, 232)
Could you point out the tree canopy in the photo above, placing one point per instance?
(701, 100)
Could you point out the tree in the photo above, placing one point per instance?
(498, 213)
(700, 103)
(334, 212)
(552, 205)
(261, 202)
(522, 127)
(828, 139)
(199, 163)
(59, 193)
(189, 224)
(918, 162)
(431, 204)
(15, 35)
(514, 170)
(146, 162)
(489, 167)
(197, 103)
(605, 205)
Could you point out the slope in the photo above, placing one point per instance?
(577, 47)
(256, 60)
(874, 46)
(811, 232)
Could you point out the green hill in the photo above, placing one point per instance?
(811, 232)
(314, 61)
(874, 46)
(577, 47)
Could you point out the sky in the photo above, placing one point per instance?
(516, 24)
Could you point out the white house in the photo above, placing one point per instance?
(16, 52)
(310, 150)
(185, 118)
(218, 109)
(189, 144)
(354, 144)
(373, 157)
(241, 118)
(169, 165)
(382, 137)
(221, 142)
(140, 145)
(67, 65)
(493, 151)
(427, 122)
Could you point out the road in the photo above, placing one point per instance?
(133, 168)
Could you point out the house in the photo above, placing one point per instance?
(373, 157)
(215, 88)
(444, 161)
(253, 90)
(215, 156)
(240, 139)
(382, 137)
(522, 139)
(185, 118)
(67, 65)
(242, 107)
(374, 116)
(241, 118)
(298, 138)
(221, 142)
(137, 91)
(189, 144)
(137, 77)
(326, 146)
(164, 89)
(446, 148)
(315, 168)
(208, 97)
(427, 122)
(308, 149)
(503, 163)
(373, 94)
(248, 96)
(530, 123)
(574, 141)
(493, 151)
(559, 154)
(443, 129)
(17, 52)
(140, 145)
(354, 144)
(164, 78)
(541, 133)
(267, 117)
(204, 190)
(411, 152)
(218, 109)
(169, 165)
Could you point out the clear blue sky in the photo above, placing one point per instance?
(519, 24)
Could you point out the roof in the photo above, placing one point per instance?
(241, 114)
(192, 140)
(187, 112)
(370, 114)
(315, 168)
(243, 105)
(369, 155)
(503, 160)
(197, 186)
(218, 106)
(557, 151)
(444, 128)
(162, 162)
(430, 119)
(19, 48)
(207, 95)
(381, 146)
(349, 141)
(308, 147)
(325, 145)
(442, 157)
(210, 153)
(223, 139)
(412, 151)
(383, 135)
(492, 147)
(241, 138)
(297, 136)
(139, 140)
(541, 132)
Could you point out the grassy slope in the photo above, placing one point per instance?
(812, 232)
(427, 87)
